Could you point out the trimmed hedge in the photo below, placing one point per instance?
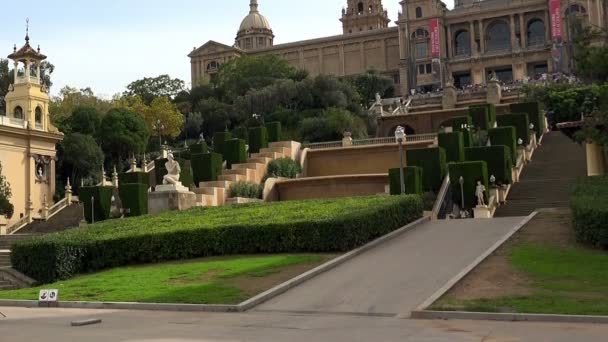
(589, 204)
(433, 163)
(219, 140)
(206, 167)
(102, 202)
(241, 133)
(274, 131)
(471, 172)
(246, 190)
(284, 167)
(199, 148)
(480, 116)
(185, 176)
(320, 226)
(258, 139)
(160, 170)
(498, 160)
(520, 122)
(134, 197)
(134, 177)
(453, 143)
(235, 152)
(412, 175)
(535, 114)
(505, 136)
(457, 123)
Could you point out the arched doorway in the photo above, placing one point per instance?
(498, 36)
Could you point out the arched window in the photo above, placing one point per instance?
(576, 9)
(360, 7)
(418, 12)
(536, 33)
(38, 117)
(18, 113)
(421, 43)
(420, 33)
(498, 36)
(462, 42)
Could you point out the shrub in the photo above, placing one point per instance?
(535, 114)
(133, 178)
(160, 170)
(258, 139)
(206, 167)
(246, 190)
(481, 116)
(219, 140)
(198, 148)
(457, 123)
(412, 177)
(235, 152)
(498, 160)
(505, 136)
(274, 131)
(520, 122)
(320, 226)
(241, 132)
(433, 163)
(471, 172)
(185, 176)
(589, 204)
(102, 202)
(453, 143)
(134, 198)
(284, 167)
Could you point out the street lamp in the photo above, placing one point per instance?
(461, 181)
(159, 128)
(400, 137)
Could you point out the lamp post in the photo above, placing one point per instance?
(400, 137)
(159, 127)
(461, 181)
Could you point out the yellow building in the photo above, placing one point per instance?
(429, 44)
(27, 137)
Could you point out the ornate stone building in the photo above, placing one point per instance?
(429, 45)
(27, 137)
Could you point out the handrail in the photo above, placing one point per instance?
(440, 198)
(55, 209)
(18, 225)
(372, 141)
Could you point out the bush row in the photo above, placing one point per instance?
(320, 226)
(589, 206)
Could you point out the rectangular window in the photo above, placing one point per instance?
(261, 42)
(248, 43)
(421, 50)
(429, 68)
(421, 69)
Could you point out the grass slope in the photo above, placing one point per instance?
(209, 281)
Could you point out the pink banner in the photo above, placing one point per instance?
(435, 38)
(555, 8)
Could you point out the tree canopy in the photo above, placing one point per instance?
(150, 88)
(82, 156)
(123, 133)
(6, 208)
(160, 109)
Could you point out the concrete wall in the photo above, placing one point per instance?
(331, 187)
(356, 160)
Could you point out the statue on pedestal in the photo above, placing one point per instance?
(173, 171)
(480, 193)
(378, 99)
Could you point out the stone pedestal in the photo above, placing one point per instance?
(3, 225)
(595, 159)
(482, 212)
(494, 92)
(450, 97)
(170, 198)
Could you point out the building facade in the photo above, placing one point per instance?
(27, 137)
(429, 44)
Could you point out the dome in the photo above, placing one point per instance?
(254, 20)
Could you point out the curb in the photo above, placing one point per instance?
(244, 306)
(443, 290)
(509, 317)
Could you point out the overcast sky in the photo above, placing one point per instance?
(106, 44)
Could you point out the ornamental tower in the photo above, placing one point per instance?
(254, 32)
(364, 15)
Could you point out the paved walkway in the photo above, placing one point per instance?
(394, 278)
(50, 325)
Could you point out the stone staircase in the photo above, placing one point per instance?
(70, 217)
(547, 181)
(216, 193)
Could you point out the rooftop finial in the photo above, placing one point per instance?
(253, 5)
(27, 30)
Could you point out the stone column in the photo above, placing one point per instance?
(301, 52)
(523, 32)
(547, 27)
(320, 52)
(16, 66)
(38, 73)
(342, 61)
(474, 51)
(482, 38)
(513, 38)
(595, 159)
(450, 40)
(27, 71)
(52, 173)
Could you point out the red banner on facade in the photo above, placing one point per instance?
(435, 38)
(555, 8)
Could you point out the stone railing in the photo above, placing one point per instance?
(12, 122)
(430, 137)
(24, 221)
(57, 207)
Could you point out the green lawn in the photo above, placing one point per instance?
(564, 281)
(227, 280)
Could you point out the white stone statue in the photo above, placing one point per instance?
(480, 192)
(173, 171)
(378, 99)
